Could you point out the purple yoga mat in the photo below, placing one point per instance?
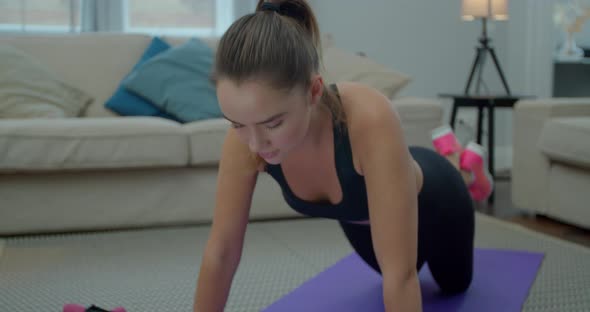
(501, 282)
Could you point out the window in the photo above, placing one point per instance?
(178, 17)
(156, 17)
(40, 15)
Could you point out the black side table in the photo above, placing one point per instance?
(482, 102)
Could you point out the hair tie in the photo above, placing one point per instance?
(270, 6)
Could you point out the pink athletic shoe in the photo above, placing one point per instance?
(78, 308)
(444, 140)
(472, 159)
(70, 307)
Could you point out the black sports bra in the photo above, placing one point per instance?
(353, 206)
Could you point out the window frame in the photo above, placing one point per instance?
(223, 19)
(40, 28)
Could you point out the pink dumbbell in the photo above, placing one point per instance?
(70, 307)
(444, 140)
(473, 159)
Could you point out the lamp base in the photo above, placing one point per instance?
(482, 50)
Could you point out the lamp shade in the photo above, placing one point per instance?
(492, 9)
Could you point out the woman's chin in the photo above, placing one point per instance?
(272, 158)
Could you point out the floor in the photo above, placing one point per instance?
(504, 209)
(156, 269)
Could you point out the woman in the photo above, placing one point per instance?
(337, 152)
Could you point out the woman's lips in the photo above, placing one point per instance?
(269, 154)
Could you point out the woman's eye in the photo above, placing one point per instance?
(275, 125)
(236, 126)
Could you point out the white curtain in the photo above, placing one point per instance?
(102, 15)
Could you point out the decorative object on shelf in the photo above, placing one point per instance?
(484, 10)
(570, 16)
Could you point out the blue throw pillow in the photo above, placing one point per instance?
(177, 81)
(126, 103)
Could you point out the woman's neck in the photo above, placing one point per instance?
(319, 127)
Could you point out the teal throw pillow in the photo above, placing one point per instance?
(126, 103)
(177, 81)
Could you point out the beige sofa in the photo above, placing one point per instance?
(103, 171)
(551, 164)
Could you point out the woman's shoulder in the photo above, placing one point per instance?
(363, 104)
(368, 114)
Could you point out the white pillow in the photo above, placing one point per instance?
(339, 65)
(29, 90)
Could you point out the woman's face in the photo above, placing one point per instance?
(272, 122)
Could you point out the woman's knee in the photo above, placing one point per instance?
(457, 285)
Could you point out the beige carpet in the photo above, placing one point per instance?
(156, 269)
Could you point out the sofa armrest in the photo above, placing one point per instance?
(530, 167)
(419, 116)
(555, 107)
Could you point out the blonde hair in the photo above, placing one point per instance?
(280, 45)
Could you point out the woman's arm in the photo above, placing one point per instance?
(235, 185)
(390, 178)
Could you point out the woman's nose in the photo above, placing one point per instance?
(257, 143)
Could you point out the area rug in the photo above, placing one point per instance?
(156, 269)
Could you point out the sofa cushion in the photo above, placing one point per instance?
(566, 140)
(418, 117)
(177, 81)
(30, 90)
(126, 103)
(94, 62)
(412, 109)
(340, 65)
(175, 41)
(91, 143)
(568, 188)
(206, 140)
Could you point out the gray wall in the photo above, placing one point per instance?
(426, 39)
(243, 7)
(583, 37)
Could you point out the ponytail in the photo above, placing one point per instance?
(299, 11)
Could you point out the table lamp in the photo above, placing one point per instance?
(484, 10)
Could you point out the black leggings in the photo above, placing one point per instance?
(445, 225)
